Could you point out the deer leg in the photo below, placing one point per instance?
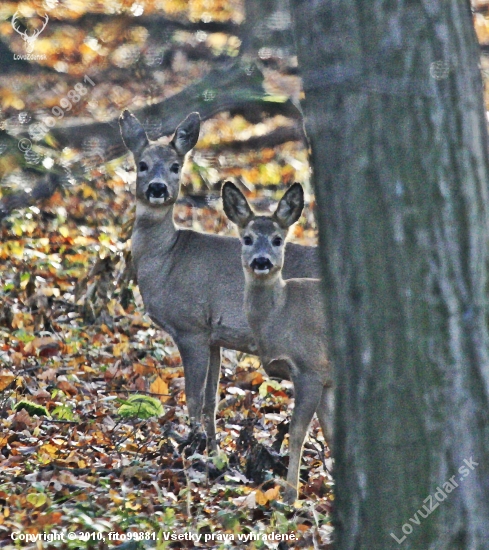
(211, 392)
(325, 414)
(195, 352)
(307, 396)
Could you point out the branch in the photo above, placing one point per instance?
(43, 190)
(152, 22)
(280, 135)
(236, 88)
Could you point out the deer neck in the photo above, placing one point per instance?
(263, 298)
(154, 231)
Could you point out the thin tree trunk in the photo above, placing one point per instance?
(394, 112)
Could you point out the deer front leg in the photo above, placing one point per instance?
(195, 352)
(307, 395)
(211, 392)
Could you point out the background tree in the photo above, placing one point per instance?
(394, 112)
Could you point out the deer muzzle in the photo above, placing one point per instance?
(157, 193)
(261, 265)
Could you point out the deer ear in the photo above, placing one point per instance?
(290, 207)
(133, 134)
(235, 205)
(187, 134)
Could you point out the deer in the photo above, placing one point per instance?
(191, 283)
(285, 317)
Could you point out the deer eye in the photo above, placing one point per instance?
(277, 241)
(143, 167)
(175, 167)
(247, 240)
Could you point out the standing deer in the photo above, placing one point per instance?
(191, 283)
(285, 316)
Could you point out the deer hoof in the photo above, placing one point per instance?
(196, 441)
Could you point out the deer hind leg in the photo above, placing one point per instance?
(211, 393)
(325, 412)
(307, 396)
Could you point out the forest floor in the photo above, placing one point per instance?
(75, 342)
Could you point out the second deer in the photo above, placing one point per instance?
(285, 316)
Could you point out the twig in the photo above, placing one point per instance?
(137, 391)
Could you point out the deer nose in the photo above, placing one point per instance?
(261, 264)
(157, 191)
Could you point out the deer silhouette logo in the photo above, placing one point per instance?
(28, 38)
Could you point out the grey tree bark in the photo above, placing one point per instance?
(395, 116)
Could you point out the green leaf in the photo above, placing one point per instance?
(220, 460)
(264, 388)
(62, 412)
(141, 406)
(37, 499)
(31, 408)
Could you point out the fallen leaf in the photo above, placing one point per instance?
(159, 386)
(37, 499)
(6, 378)
(272, 494)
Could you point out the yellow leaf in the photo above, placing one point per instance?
(272, 494)
(64, 231)
(16, 249)
(115, 308)
(6, 379)
(116, 498)
(133, 506)
(22, 320)
(88, 192)
(119, 349)
(160, 386)
(37, 499)
(51, 450)
(261, 498)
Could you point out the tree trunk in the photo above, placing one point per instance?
(267, 29)
(394, 113)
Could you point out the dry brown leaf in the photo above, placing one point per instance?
(143, 370)
(67, 387)
(161, 387)
(42, 346)
(48, 375)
